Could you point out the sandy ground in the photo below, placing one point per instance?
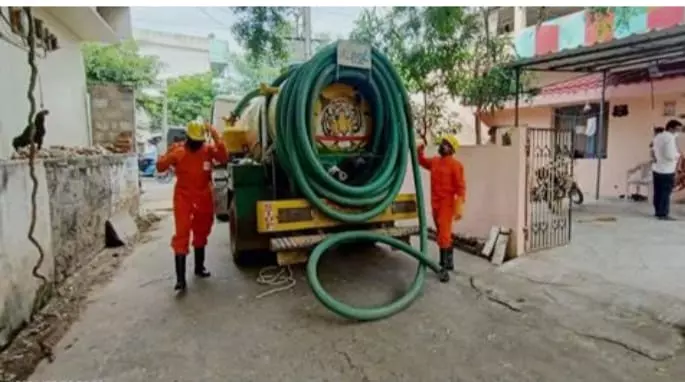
(482, 326)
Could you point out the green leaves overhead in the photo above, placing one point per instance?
(262, 31)
(444, 53)
(188, 97)
(119, 64)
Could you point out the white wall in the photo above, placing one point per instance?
(119, 18)
(17, 255)
(179, 54)
(63, 81)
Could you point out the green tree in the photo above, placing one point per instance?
(424, 54)
(247, 74)
(122, 64)
(188, 97)
(442, 53)
(262, 31)
(119, 64)
(483, 83)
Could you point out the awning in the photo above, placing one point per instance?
(85, 23)
(633, 52)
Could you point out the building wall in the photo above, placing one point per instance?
(86, 192)
(529, 117)
(628, 137)
(63, 84)
(75, 198)
(495, 185)
(179, 54)
(112, 111)
(17, 255)
(119, 18)
(581, 28)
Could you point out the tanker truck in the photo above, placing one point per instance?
(318, 158)
(222, 107)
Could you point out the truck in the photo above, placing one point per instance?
(221, 109)
(318, 159)
(252, 192)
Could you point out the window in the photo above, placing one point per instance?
(589, 140)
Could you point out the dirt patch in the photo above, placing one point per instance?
(37, 339)
(146, 220)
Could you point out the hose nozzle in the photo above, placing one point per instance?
(338, 173)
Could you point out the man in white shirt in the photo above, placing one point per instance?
(665, 155)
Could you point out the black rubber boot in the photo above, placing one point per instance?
(180, 262)
(200, 270)
(442, 258)
(449, 259)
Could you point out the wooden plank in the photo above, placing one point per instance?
(490, 243)
(291, 257)
(290, 243)
(501, 246)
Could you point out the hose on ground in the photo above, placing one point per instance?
(391, 139)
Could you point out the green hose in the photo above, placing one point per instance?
(391, 140)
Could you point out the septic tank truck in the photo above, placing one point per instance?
(318, 158)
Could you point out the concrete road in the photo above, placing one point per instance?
(135, 329)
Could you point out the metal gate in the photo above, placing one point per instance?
(549, 178)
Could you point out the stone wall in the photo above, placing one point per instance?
(75, 198)
(112, 113)
(17, 255)
(86, 192)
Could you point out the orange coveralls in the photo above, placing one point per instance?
(193, 197)
(447, 185)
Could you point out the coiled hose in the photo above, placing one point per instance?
(391, 140)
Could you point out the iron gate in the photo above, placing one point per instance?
(549, 178)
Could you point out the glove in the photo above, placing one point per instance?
(458, 208)
(214, 133)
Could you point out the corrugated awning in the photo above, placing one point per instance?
(625, 77)
(633, 52)
(589, 82)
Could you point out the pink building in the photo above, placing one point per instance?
(643, 57)
(634, 63)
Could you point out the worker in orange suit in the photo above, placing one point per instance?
(448, 193)
(193, 198)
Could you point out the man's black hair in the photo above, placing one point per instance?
(673, 124)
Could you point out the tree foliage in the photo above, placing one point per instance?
(119, 64)
(262, 31)
(442, 53)
(188, 97)
(247, 74)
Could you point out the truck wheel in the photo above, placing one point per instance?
(240, 259)
(222, 218)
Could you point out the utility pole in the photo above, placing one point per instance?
(307, 29)
(302, 39)
(165, 116)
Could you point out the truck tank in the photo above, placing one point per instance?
(319, 157)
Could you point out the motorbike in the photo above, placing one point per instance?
(147, 166)
(553, 184)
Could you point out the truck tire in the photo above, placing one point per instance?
(240, 259)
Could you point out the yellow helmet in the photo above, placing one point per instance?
(451, 140)
(196, 131)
